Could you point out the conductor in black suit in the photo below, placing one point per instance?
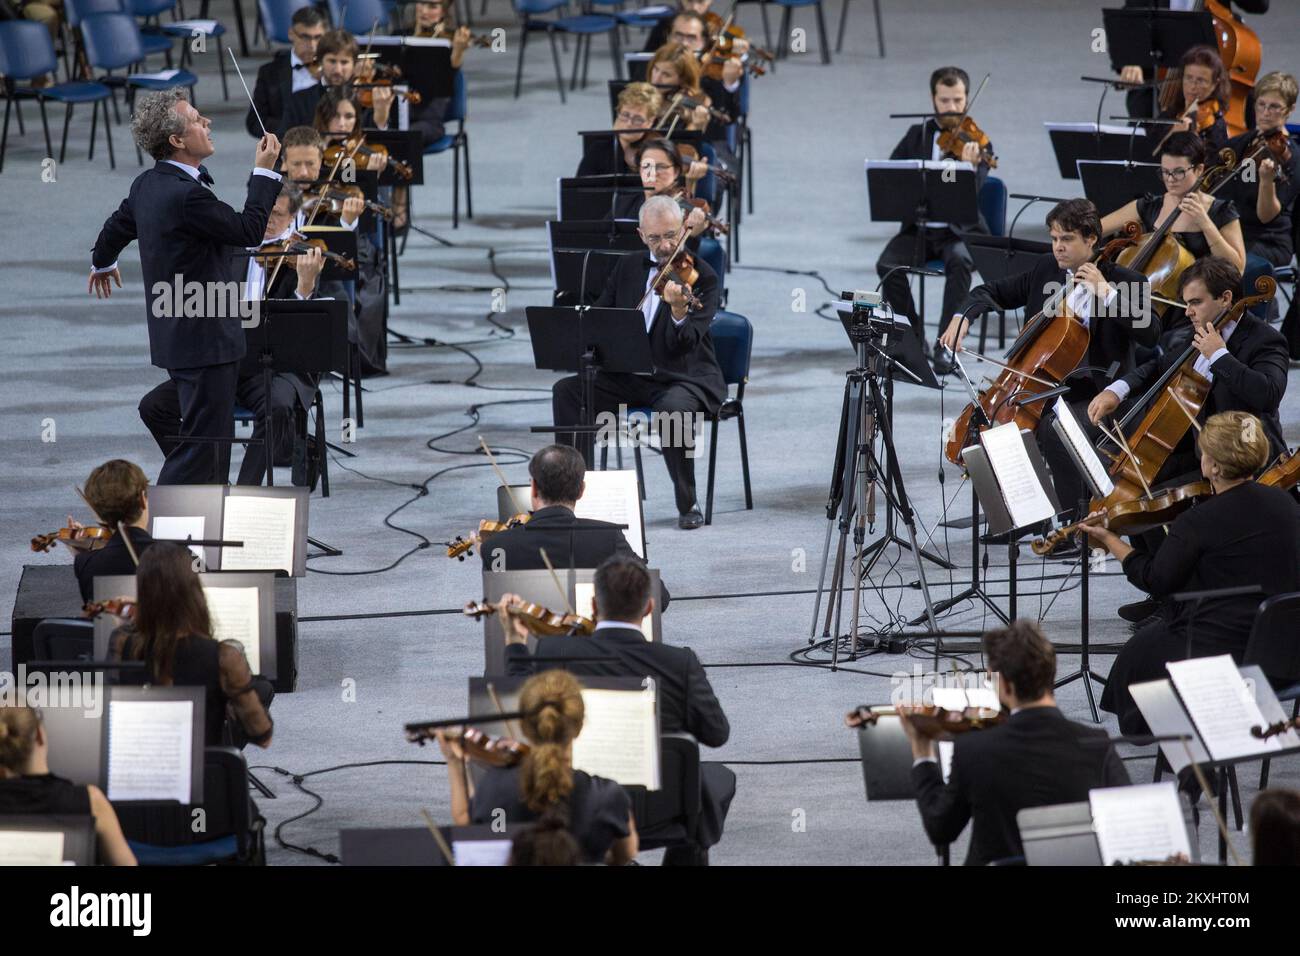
(287, 73)
(557, 480)
(686, 380)
(1037, 758)
(184, 232)
(1111, 301)
(686, 699)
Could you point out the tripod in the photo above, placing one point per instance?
(857, 470)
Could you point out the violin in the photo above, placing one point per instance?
(477, 746)
(441, 31)
(538, 619)
(952, 139)
(687, 204)
(329, 198)
(681, 102)
(365, 92)
(119, 607)
(1275, 730)
(356, 148)
(1202, 115)
(680, 269)
(79, 539)
(286, 252)
(724, 34)
(931, 722)
(1278, 146)
(463, 546)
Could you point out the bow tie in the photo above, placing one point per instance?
(205, 177)
(300, 66)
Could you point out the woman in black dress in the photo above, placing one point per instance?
(171, 632)
(28, 787)
(1244, 534)
(597, 811)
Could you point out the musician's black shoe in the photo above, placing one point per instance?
(690, 520)
(1139, 610)
(1066, 549)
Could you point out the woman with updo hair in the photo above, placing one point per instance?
(1243, 534)
(28, 788)
(544, 785)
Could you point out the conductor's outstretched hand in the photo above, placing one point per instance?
(101, 284)
(268, 151)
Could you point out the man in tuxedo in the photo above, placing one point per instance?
(619, 648)
(185, 233)
(1037, 758)
(1111, 301)
(118, 493)
(557, 476)
(686, 380)
(949, 89)
(291, 394)
(286, 73)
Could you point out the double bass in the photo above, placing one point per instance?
(1240, 51)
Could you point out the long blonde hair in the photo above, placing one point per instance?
(553, 702)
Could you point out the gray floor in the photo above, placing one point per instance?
(80, 367)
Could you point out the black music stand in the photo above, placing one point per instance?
(425, 63)
(594, 198)
(1072, 142)
(1112, 184)
(584, 254)
(338, 240)
(403, 145)
(1151, 37)
(589, 340)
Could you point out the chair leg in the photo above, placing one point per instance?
(469, 192)
(4, 137)
(744, 460)
(821, 33)
(519, 68)
(604, 456)
(67, 118)
(616, 53)
(749, 170)
(455, 188)
(783, 41)
(577, 61)
(880, 29)
(767, 27)
(45, 125)
(844, 19)
(713, 462)
(555, 57)
(94, 116)
(108, 138)
(1263, 773)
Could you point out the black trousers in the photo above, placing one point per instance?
(1066, 480)
(632, 391)
(941, 244)
(206, 402)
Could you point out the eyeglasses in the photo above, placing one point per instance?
(655, 167)
(634, 119)
(1197, 81)
(314, 37)
(1175, 175)
(666, 237)
(1270, 107)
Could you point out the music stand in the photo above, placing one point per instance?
(589, 340)
(425, 63)
(404, 145)
(584, 254)
(339, 240)
(1112, 184)
(593, 198)
(1072, 142)
(1151, 37)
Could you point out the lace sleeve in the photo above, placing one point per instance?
(238, 685)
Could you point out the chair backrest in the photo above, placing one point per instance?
(78, 10)
(226, 808)
(733, 341)
(711, 251)
(358, 16)
(1275, 638)
(534, 7)
(993, 205)
(277, 17)
(679, 798)
(112, 40)
(459, 105)
(26, 50)
(149, 8)
(64, 638)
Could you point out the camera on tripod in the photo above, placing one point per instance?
(863, 321)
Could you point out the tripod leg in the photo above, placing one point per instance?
(832, 507)
(821, 580)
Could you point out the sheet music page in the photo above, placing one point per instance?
(1083, 448)
(31, 848)
(481, 852)
(945, 759)
(1021, 490)
(1139, 823)
(1093, 128)
(1165, 716)
(236, 616)
(150, 749)
(582, 597)
(180, 527)
(1221, 706)
(614, 496)
(620, 737)
(265, 525)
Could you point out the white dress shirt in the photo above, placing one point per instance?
(302, 78)
(255, 277)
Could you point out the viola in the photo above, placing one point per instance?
(463, 546)
(330, 198)
(357, 149)
(287, 251)
(1201, 115)
(931, 722)
(478, 746)
(538, 619)
(118, 607)
(79, 539)
(953, 139)
(366, 92)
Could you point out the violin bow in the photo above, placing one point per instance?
(1033, 378)
(442, 843)
(668, 264)
(126, 540)
(501, 711)
(564, 595)
(501, 475)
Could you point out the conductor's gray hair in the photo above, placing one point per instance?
(661, 206)
(156, 121)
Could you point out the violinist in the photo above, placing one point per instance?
(596, 811)
(1200, 103)
(638, 105)
(949, 88)
(1245, 533)
(432, 19)
(337, 54)
(304, 157)
(1206, 225)
(1035, 758)
(673, 71)
(1108, 299)
(336, 120)
(662, 32)
(118, 493)
(557, 481)
(287, 73)
(618, 648)
(687, 380)
(664, 172)
(723, 93)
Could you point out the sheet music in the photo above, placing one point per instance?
(945, 758)
(180, 527)
(582, 598)
(1165, 716)
(236, 616)
(1084, 451)
(1023, 493)
(614, 496)
(1139, 823)
(31, 848)
(481, 852)
(620, 737)
(266, 526)
(150, 749)
(959, 698)
(936, 164)
(1094, 128)
(1221, 706)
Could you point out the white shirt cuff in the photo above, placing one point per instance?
(1218, 354)
(1120, 388)
(920, 760)
(351, 226)
(270, 173)
(731, 87)
(298, 295)
(676, 321)
(100, 272)
(1114, 293)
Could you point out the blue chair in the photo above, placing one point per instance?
(844, 19)
(1256, 268)
(112, 42)
(277, 17)
(458, 143)
(583, 27)
(63, 638)
(783, 38)
(358, 16)
(711, 252)
(78, 10)
(1274, 645)
(26, 52)
(185, 31)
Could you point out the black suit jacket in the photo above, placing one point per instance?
(686, 699)
(271, 95)
(112, 558)
(300, 108)
(1250, 378)
(556, 529)
(1111, 337)
(682, 354)
(918, 143)
(185, 230)
(1036, 759)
